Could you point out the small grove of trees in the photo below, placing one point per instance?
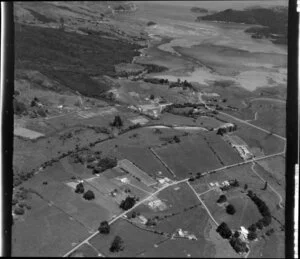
(79, 188)
(176, 139)
(238, 245)
(89, 195)
(262, 207)
(224, 130)
(252, 235)
(222, 199)
(19, 211)
(19, 107)
(224, 230)
(104, 164)
(104, 227)
(117, 244)
(128, 203)
(117, 122)
(230, 209)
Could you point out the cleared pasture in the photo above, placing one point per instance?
(144, 159)
(135, 171)
(84, 251)
(49, 231)
(256, 138)
(275, 166)
(245, 175)
(246, 211)
(26, 133)
(224, 151)
(89, 213)
(135, 240)
(192, 154)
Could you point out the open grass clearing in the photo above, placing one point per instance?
(45, 231)
(89, 213)
(181, 248)
(135, 240)
(258, 139)
(85, 251)
(192, 154)
(276, 168)
(144, 159)
(246, 211)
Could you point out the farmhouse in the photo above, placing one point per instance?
(244, 234)
(182, 233)
(143, 219)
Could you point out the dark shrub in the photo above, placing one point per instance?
(252, 228)
(19, 211)
(104, 227)
(238, 245)
(224, 230)
(176, 139)
(128, 203)
(252, 235)
(19, 107)
(117, 245)
(230, 209)
(89, 195)
(79, 188)
(259, 224)
(117, 122)
(222, 199)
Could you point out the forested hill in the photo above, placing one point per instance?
(274, 20)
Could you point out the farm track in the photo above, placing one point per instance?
(198, 196)
(164, 164)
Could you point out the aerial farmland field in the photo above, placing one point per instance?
(149, 129)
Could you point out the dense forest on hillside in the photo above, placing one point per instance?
(70, 58)
(272, 22)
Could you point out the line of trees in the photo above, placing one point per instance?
(264, 211)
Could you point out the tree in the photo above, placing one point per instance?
(266, 221)
(236, 234)
(176, 139)
(117, 245)
(128, 203)
(238, 245)
(259, 224)
(104, 227)
(224, 230)
(230, 209)
(107, 163)
(89, 195)
(252, 235)
(252, 228)
(117, 122)
(222, 199)
(79, 188)
(19, 211)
